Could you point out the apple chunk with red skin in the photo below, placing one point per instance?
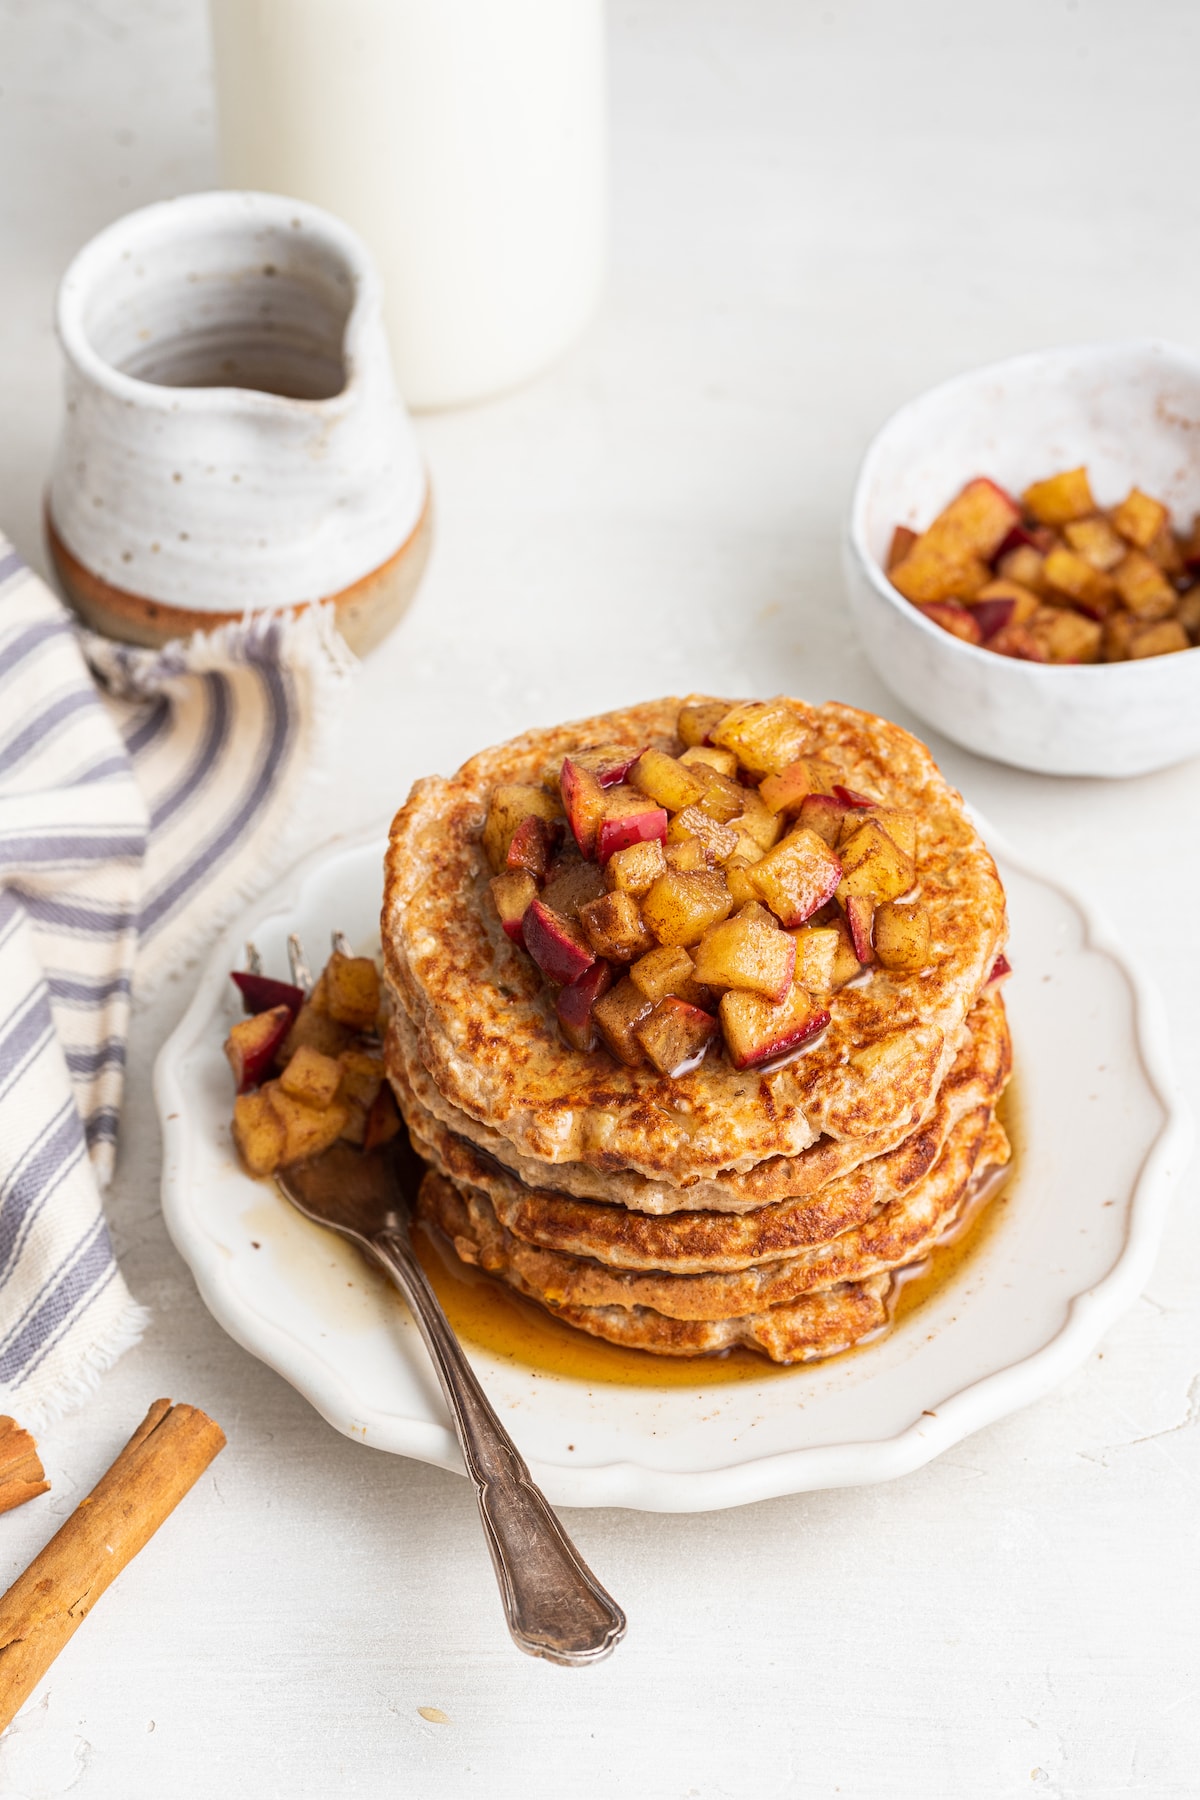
(260, 994)
(253, 1043)
(512, 895)
(860, 914)
(676, 1035)
(757, 1029)
(628, 818)
(557, 945)
(797, 877)
(532, 845)
(583, 799)
(575, 1002)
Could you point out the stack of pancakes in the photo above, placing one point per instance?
(763, 1207)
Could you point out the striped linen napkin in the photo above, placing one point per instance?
(134, 816)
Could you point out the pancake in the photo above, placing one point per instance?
(900, 1233)
(817, 1325)
(483, 1024)
(817, 1202)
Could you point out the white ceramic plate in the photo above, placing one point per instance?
(1102, 1133)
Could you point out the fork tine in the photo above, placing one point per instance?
(253, 959)
(301, 973)
(340, 944)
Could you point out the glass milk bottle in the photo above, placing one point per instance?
(463, 139)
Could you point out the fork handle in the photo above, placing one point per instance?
(554, 1606)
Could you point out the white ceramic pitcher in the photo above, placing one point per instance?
(233, 439)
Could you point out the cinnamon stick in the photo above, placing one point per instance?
(21, 1473)
(168, 1452)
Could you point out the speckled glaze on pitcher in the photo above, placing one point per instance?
(233, 440)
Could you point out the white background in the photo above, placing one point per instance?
(817, 213)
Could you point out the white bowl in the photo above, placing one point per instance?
(1131, 412)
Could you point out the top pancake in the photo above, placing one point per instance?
(484, 1021)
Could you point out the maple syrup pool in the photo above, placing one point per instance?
(491, 1316)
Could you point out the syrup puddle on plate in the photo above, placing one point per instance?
(492, 1317)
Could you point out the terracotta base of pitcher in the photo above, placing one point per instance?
(365, 612)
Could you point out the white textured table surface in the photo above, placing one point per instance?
(817, 213)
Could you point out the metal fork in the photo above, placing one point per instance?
(554, 1606)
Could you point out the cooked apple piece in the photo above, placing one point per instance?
(747, 850)
(689, 856)
(583, 798)
(361, 1076)
(1018, 642)
(258, 1132)
(719, 840)
(928, 575)
(903, 539)
(254, 1043)
(824, 813)
(557, 944)
(1069, 577)
(697, 718)
(1021, 603)
(1160, 639)
(1001, 970)
(667, 970)
(874, 867)
(1118, 633)
(764, 735)
(737, 874)
(1025, 566)
(860, 914)
(351, 990)
(1066, 636)
(1143, 587)
(307, 1131)
(816, 957)
(636, 868)
(614, 927)
(512, 895)
(720, 797)
(757, 1030)
(902, 939)
(676, 1036)
(723, 761)
(628, 818)
(507, 808)
(900, 825)
(951, 616)
(1096, 541)
(846, 965)
(749, 951)
(786, 792)
(680, 907)
(665, 780)
(312, 1077)
(575, 1002)
(617, 1015)
(1189, 546)
(383, 1120)
(1060, 498)
(1139, 519)
(259, 993)
(571, 885)
(316, 1029)
(1189, 614)
(609, 763)
(798, 876)
(1165, 550)
(758, 822)
(851, 797)
(531, 847)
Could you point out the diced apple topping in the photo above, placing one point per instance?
(531, 846)
(617, 1014)
(259, 993)
(254, 1043)
(664, 780)
(903, 539)
(571, 885)
(667, 970)
(798, 876)
(749, 951)
(737, 876)
(697, 718)
(873, 867)
(824, 814)
(723, 761)
(575, 1002)
(636, 868)
(718, 840)
(787, 791)
(509, 807)
(690, 856)
(816, 958)
(902, 938)
(556, 944)
(312, 1077)
(258, 1132)
(758, 822)
(1108, 577)
(614, 927)
(513, 894)
(583, 798)
(860, 915)
(675, 1036)
(628, 818)
(351, 991)
(680, 907)
(756, 1030)
(765, 735)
